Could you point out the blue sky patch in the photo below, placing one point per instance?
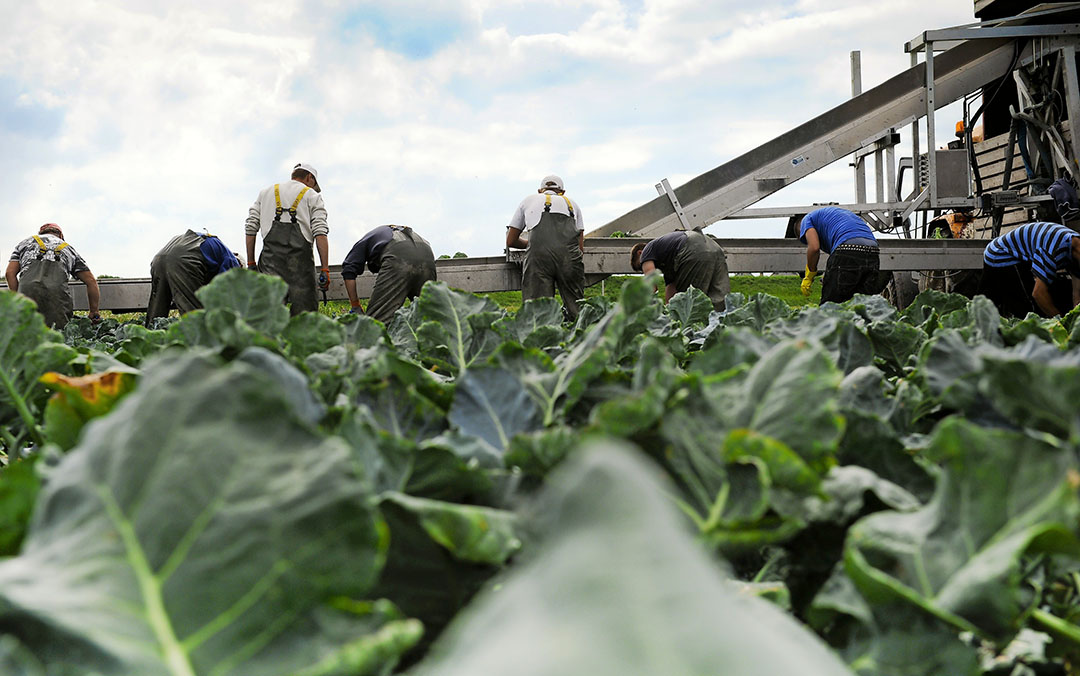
(412, 34)
(23, 119)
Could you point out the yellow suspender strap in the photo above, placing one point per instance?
(547, 203)
(41, 244)
(277, 196)
(296, 202)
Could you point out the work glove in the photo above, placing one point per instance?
(252, 265)
(94, 317)
(807, 280)
(356, 310)
(324, 279)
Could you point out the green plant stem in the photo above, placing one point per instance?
(23, 410)
(1057, 626)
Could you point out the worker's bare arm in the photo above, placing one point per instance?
(250, 241)
(647, 267)
(350, 288)
(1075, 291)
(1041, 295)
(813, 249)
(11, 274)
(581, 241)
(93, 294)
(514, 240)
(669, 291)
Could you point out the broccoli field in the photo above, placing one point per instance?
(844, 489)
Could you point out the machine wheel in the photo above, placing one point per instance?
(901, 290)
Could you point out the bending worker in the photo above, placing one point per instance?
(402, 261)
(854, 265)
(1020, 270)
(554, 246)
(188, 262)
(40, 269)
(687, 259)
(286, 250)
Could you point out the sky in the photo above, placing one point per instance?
(129, 121)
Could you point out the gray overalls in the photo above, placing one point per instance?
(553, 259)
(702, 264)
(45, 281)
(286, 254)
(407, 262)
(176, 273)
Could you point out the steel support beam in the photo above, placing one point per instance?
(603, 257)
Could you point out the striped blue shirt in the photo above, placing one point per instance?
(1046, 246)
(835, 226)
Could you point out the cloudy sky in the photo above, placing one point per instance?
(129, 121)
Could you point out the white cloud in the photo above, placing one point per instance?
(175, 115)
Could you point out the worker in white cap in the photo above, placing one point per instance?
(549, 226)
(286, 250)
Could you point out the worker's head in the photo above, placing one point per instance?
(551, 182)
(306, 174)
(51, 229)
(635, 256)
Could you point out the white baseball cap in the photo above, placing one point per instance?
(551, 181)
(311, 170)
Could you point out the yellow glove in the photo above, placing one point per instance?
(807, 280)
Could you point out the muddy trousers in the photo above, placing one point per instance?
(407, 264)
(287, 254)
(176, 273)
(46, 283)
(553, 261)
(701, 263)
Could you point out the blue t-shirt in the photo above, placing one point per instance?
(835, 226)
(1046, 246)
(217, 256)
(368, 251)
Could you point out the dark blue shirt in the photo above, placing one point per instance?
(662, 250)
(834, 226)
(367, 251)
(1046, 246)
(217, 256)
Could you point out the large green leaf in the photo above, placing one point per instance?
(690, 307)
(1001, 494)
(195, 529)
(455, 329)
(537, 324)
(256, 298)
(311, 332)
(27, 350)
(756, 312)
(489, 402)
(440, 554)
(619, 587)
(19, 486)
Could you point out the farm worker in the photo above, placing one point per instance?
(854, 265)
(1020, 270)
(286, 250)
(186, 263)
(40, 268)
(686, 259)
(554, 246)
(402, 261)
